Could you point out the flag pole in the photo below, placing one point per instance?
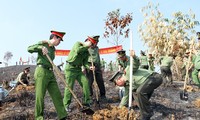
(131, 71)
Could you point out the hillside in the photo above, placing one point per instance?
(19, 104)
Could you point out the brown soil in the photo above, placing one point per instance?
(166, 103)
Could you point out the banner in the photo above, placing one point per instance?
(62, 52)
(108, 50)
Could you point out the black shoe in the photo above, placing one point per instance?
(86, 105)
(65, 118)
(103, 99)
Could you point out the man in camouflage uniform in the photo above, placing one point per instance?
(144, 83)
(77, 58)
(95, 58)
(44, 76)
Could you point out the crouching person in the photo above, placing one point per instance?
(22, 78)
(144, 83)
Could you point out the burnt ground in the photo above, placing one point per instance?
(165, 102)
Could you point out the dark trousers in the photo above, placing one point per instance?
(99, 80)
(24, 81)
(144, 67)
(144, 92)
(166, 74)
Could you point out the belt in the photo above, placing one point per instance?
(45, 67)
(71, 64)
(95, 64)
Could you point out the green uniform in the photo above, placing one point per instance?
(95, 58)
(144, 83)
(165, 67)
(196, 62)
(151, 63)
(110, 66)
(77, 57)
(144, 62)
(45, 80)
(124, 63)
(103, 64)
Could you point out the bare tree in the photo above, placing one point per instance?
(117, 26)
(8, 55)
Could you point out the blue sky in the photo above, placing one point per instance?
(25, 22)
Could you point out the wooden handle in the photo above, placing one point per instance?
(95, 82)
(63, 79)
(187, 70)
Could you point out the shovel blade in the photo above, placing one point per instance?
(87, 110)
(184, 95)
(97, 104)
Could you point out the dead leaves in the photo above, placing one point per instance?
(165, 35)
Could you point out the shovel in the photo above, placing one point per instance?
(7, 93)
(184, 94)
(95, 85)
(4, 93)
(84, 109)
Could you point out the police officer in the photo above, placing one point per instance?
(110, 66)
(144, 83)
(196, 65)
(165, 67)
(122, 61)
(103, 64)
(22, 78)
(143, 60)
(77, 58)
(151, 60)
(95, 58)
(44, 76)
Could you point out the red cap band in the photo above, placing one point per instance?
(92, 40)
(59, 34)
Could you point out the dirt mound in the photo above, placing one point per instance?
(115, 113)
(197, 102)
